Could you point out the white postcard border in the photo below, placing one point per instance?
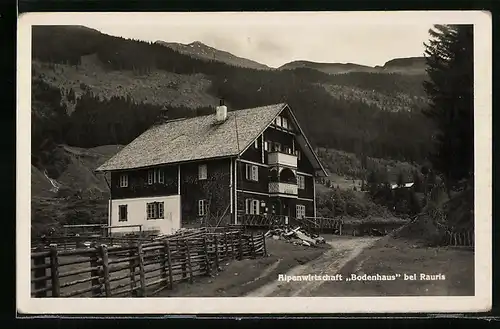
(482, 300)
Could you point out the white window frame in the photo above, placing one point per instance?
(300, 211)
(202, 207)
(297, 153)
(156, 175)
(266, 146)
(123, 180)
(202, 172)
(276, 147)
(155, 210)
(256, 143)
(252, 206)
(301, 182)
(122, 206)
(252, 172)
(278, 121)
(284, 122)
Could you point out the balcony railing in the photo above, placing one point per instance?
(283, 188)
(278, 158)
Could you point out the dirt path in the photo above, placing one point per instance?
(343, 250)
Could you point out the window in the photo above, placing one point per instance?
(161, 176)
(301, 211)
(284, 123)
(276, 147)
(256, 143)
(252, 207)
(297, 153)
(202, 171)
(154, 210)
(301, 182)
(288, 150)
(156, 176)
(122, 213)
(123, 180)
(266, 146)
(202, 207)
(278, 121)
(252, 172)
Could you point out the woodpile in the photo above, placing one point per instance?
(296, 236)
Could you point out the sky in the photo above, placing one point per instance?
(276, 39)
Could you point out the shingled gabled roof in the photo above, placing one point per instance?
(196, 138)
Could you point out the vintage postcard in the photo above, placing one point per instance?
(264, 162)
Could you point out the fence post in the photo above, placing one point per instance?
(54, 272)
(163, 265)
(94, 273)
(188, 258)
(141, 270)
(264, 246)
(231, 235)
(39, 273)
(207, 257)
(216, 243)
(132, 266)
(252, 246)
(169, 260)
(182, 253)
(103, 251)
(225, 242)
(240, 245)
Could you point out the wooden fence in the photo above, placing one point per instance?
(310, 224)
(139, 269)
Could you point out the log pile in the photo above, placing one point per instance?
(296, 236)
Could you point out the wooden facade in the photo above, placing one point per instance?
(272, 176)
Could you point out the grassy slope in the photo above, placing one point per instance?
(157, 87)
(82, 195)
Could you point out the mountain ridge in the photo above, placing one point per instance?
(202, 51)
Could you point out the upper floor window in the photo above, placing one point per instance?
(154, 210)
(202, 171)
(156, 176)
(301, 182)
(256, 143)
(284, 123)
(123, 180)
(276, 147)
(122, 213)
(252, 172)
(266, 146)
(202, 207)
(252, 207)
(297, 153)
(278, 120)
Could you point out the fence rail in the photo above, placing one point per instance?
(316, 225)
(139, 269)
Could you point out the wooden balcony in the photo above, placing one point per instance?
(278, 158)
(288, 189)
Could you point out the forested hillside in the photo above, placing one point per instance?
(98, 117)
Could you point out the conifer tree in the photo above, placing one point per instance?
(449, 57)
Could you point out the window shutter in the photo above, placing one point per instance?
(247, 171)
(247, 206)
(255, 173)
(160, 210)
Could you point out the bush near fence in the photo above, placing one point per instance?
(139, 269)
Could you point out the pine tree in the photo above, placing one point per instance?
(449, 57)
